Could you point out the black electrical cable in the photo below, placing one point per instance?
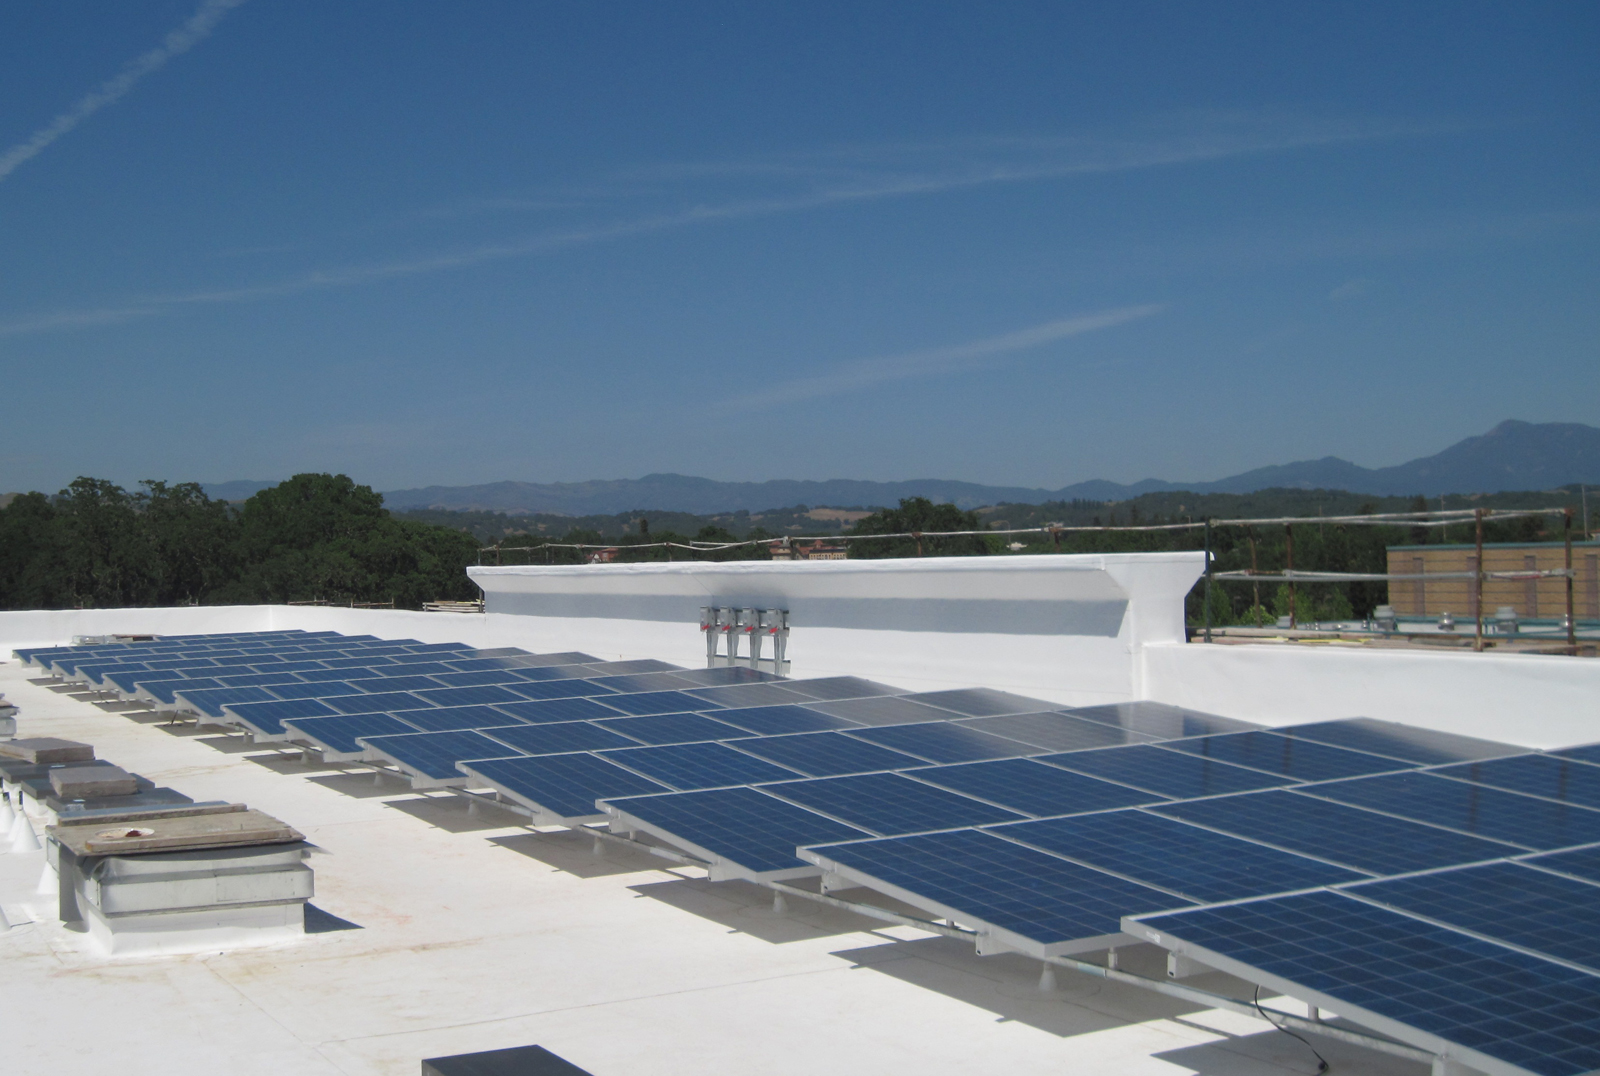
(1322, 1062)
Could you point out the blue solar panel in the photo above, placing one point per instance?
(657, 702)
(559, 737)
(281, 666)
(538, 673)
(259, 680)
(1579, 862)
(575, 709)
(643, 682)
(559, 689)
(208, 701)
(980, 702)
(740, 825)
(446, 718)
(469, 696)
(563, 785)
(268, 717)
(827, 754)
(365, 661)
(737, 695)
(1508, 902)
(323, 690)
(698, 765)
(339, 734)
(386, 701)
(1487, 812)
(405, 665)
(163, 691)
(1158, 719)
(779, 720)
(1536, 775)
(320, 676)
(435, 754)
(885, 710)
(942, 741)
(1586, 753)
(834, 688)
(481, 664)
(1285, 756)
(567, 658)
(1034, 788)
(630, 667)
(723, 675)
(1519, 1009)
(394, 683)
(1362, 839)
(479, 679)
(672, 728)
(974, 875)
(1054, 731)
(1170, 773)
(1172, 855)
(1406, 742)
(888, 804)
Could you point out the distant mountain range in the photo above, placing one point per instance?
(1513, 456)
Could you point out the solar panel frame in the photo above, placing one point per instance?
(980, 702)
(561, 789)
(1159, 719)
(322, 689)
(841, 688)
(1410, 743)
(1033, 788)
(1578, 862)
(559, 737)
(826, 754)
(382, 702)
(1551, 777)
(487, 695)
(889, 804)
(881, 710)
(430, 758)
(690, 766)
(207, 702)
(743, 696)
(538, 711)
(661, 729)
(658, 702)
(338, 738)
(264, 720)
(1171, 773)
(1300, 760)
(1054, 731)
(640, 683)
(454, 718)
(374, 685)
(781, 720)
(943, 741)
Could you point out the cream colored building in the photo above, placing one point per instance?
(1532, 598)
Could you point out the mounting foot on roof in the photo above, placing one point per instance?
(1047, 979)
(780, 905)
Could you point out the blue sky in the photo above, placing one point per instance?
(1025, 244)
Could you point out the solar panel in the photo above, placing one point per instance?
(1054, 731)
(395, 683)
(384, 701)
(553, 672)
(319, 676)
(434, 755)
(413, 665)
(980, 702)
(827, 754)
(208, 701)
(322, 690)
(779, 720)
(973, 876)
(1586, 753)
(1170, 773)
(478, 679)
(447, 718)
(373, 661)
(1034, 788)
(1378, 966)
(888, 804)
(723, 675)
(563, 787)
(266, 718)
(672, 728)
(337, 736)
(639, 683)
(482, 664)
(1407, 742)
(577, 709)
(832, 688)
(1520, 905)
(259, 680)
(886, 710)
(1535, 775)
(1159, 719)
(1362, 839)
(559, 737)
(741, 826)
(741, 695)
(697, 765)
(1579, 862)
(658, 702)
(469, 696)
(558, 689)
(1301, 760)
(943, 741)
(282, 666)
(437, 648)
(568, 657)
(1180, 858)
(624, 668)
(1488, 812)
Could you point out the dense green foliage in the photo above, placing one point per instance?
(314, 537)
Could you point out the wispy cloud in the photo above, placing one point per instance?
(803, 181)
(933, 362)
(193, 31)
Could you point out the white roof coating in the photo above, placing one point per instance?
(455, 934)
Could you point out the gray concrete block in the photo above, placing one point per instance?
(45, 749)
(90, 782)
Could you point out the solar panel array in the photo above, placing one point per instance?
(1408, 878)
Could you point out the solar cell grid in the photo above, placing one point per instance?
(570, 657)
(402, 667)
(1409, 743)
(1170, 773)
(980, 702)
(697, 765)
(381, 702)
(435, 754)
(1550, 776)
(1578, 862)
(478, 679)
(723, 675)
(447, 718)
(1487, 812)
(347, 673)
(658, 702)
(943, 741)
(208, 701)
(558, 689)
(884, 710)
(338, 735)
(672, 728)
(628, 668)
(576, 709)
(742, 695)
(779, 720)
(1301, 760)
(888, 803)
(1033, 788)
(1168, 854)
(324, 689)
(565, 786)
(1159, 719)
(1586, 753)
(486, 695)
(260, 680)
(559, 737)
(1516, 1008)
(838, 688)
(1054, 731)
(1508, 902)
(1362, 839)
(827, 754)
(642, 682)
(740, 825)
(976, 876)
(480, 664)
(394, 683)
(268, 717)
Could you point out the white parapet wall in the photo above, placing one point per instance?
(1064, 628)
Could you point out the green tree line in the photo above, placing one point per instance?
(314, 537)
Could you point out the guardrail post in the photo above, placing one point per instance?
(1208, 579)
(1572, 624)
(1477, 583)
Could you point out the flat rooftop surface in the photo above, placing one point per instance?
(436, 933)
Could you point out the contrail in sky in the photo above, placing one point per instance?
(193, 31)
